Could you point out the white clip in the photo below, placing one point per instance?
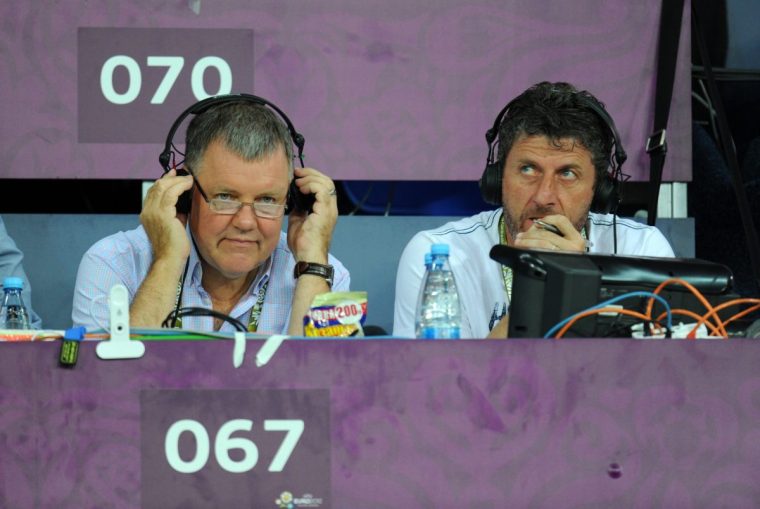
(119, 346)
(268, 349)
(238, 351)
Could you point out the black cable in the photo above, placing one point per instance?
(621, 322)
(363, 200)
(389, 203)
(194, 311)
(611, 330)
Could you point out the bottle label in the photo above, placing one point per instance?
(15, 318)
(13, 313)
(440, 333)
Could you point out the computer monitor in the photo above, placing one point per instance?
(550, 286)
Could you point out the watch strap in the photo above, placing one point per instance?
(315, 269)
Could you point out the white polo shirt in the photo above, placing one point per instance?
(479, 278)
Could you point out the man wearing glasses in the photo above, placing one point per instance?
(227, 253)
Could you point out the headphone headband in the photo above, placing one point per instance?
(201, 106)
(607, 193)
(619, 153)
(296, 200)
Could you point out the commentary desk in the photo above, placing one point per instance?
(385, 424)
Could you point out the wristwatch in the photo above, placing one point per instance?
(315, 269)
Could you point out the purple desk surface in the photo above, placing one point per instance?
(519, 423)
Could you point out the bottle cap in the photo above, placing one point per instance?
(439, 249)
(428, 258)
(13, 282)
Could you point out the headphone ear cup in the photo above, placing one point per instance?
(606, 195)
(291, 198)
(185, 199)
(490, 183)
(297, 200)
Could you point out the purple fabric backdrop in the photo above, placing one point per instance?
(519, 423)
(392, 90)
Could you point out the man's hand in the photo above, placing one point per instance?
(309, 235)
(164, 227)
(171, 248)
(500, 330)
(539, 238)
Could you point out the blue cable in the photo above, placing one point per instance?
(550, 333)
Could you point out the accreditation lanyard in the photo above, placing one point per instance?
(506, 272)
(253, 321)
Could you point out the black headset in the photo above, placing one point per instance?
(607, 194)
(296, 199)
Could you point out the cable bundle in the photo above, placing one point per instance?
(710, 318)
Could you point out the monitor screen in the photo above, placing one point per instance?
(549, 286)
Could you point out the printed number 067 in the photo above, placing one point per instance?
(173, 66)
(225, 442)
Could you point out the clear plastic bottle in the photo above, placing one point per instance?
(13, 314)
(428, 262)
(440, 316)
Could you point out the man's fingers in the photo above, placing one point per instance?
(165, 191)
(311, 181)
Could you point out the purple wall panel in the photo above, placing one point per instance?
(393, 90)
(519, 423)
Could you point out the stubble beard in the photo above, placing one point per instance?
(512, 224)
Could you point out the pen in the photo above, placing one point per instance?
(548, 227)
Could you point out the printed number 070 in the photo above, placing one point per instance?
(173, 66)
(224, 442)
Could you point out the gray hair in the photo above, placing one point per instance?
(250, 130)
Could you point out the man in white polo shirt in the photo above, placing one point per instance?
(557, 177)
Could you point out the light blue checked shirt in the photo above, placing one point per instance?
(125, 258)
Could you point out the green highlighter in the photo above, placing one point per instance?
(70, 346)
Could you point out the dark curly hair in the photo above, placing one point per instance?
(558, 110)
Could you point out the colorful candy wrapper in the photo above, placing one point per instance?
(336, 314)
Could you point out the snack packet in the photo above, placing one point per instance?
(336, 314)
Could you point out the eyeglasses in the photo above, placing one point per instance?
(262, 209)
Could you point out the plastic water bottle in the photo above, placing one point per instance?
(13, 314)
(439, 312)
(417, 316)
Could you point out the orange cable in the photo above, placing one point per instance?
(743, 313)
(690, 314)
(725, 305)
(696, 293)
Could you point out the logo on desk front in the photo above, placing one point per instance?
(288, 501)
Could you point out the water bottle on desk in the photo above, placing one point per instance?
(439, 313)
(417, 315)
(13, 314)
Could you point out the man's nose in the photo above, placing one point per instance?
(245, 218)
(546, 191)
